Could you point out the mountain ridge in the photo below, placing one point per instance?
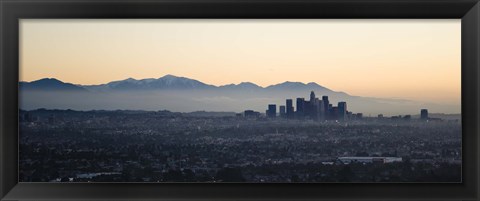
(177, 82)
(50, 84)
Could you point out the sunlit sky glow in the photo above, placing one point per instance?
(409, 59)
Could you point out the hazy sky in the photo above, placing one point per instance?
(410, 59)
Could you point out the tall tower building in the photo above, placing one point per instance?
(312, 107)
(320, 109)
(312, 97)
(272, 111)
(300, 108)
(424, 114)
(283, 112)
(334, 113)
(342, 110)
(325, 107)
(290, 113)
(331, 114)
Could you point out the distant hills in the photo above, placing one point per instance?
(167, 82)
(181, 94)
(49, 84)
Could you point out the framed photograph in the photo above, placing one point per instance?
(244, 100)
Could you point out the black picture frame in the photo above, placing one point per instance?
(13, 10)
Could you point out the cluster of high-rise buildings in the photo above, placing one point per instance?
(320, 109)
(314, 108)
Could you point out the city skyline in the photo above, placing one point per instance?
(321, 109)
(384, 58)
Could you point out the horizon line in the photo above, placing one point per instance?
(165, 110)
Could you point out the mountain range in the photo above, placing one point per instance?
(186, 95)
(167, 82)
